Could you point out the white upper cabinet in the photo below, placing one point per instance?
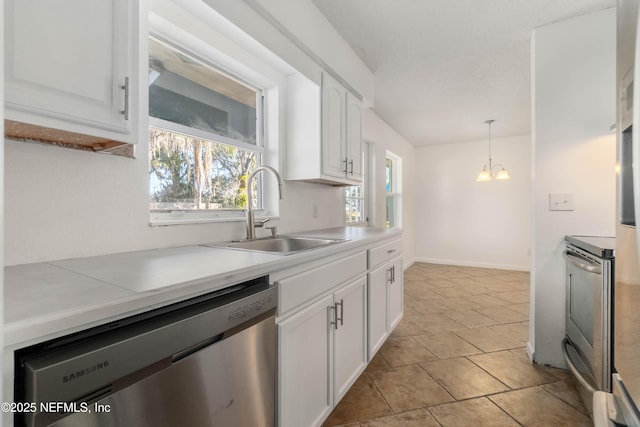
(72, 65)
(324, 132)
(354, 138)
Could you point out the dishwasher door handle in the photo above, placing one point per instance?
(582, 263)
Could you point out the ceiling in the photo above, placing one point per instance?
(443, 67)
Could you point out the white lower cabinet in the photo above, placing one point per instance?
(350, 337)
(322, 351)
(385, 294)
(333, 316)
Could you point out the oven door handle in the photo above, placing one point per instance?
(578, 376)
(582, 264)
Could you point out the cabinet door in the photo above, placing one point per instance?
(350, 337)
(377, 315)
(395, 294)
(66, 62)
(354, 138)
(304, 350)
(333, 128)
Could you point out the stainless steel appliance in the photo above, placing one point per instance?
(621, 407)
(587, 346)
(208, 361)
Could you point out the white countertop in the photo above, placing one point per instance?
(53, 299)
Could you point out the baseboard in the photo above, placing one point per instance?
(530, 351)
(473, 264)
(407, 264)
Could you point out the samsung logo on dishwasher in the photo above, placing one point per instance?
(86, 371)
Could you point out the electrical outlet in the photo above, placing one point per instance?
(315, 210)
(561, 202)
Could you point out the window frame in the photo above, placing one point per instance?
(364, 192)
(191, 216)
(395, 192)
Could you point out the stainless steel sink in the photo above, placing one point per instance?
(284, 244)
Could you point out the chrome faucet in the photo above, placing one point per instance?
(251, 221)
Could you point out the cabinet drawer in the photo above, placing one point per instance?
(382, 253)
(295, 290)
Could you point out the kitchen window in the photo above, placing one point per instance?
(393, 190)
(356, 196)
(204, 138)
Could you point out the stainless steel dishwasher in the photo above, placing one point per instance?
(208, 361)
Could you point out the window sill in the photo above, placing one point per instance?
(161, 219)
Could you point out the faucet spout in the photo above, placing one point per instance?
(251, 224)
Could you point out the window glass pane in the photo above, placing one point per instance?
(390, 212)
(188, 92)
(192, 173)
(389, 176)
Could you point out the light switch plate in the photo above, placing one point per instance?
(561, 202)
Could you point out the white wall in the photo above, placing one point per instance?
(382, 138)
(464, 222)
(573, 106)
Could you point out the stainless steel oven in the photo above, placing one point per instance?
(208, 361)
(587, 346)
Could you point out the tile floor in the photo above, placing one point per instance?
(458, 358)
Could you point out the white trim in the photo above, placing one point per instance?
(408, 263)
(203, 134)
(530, 351)
(473, 264)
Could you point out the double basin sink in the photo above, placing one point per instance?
(283, 245)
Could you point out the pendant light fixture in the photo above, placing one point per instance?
(486, 174)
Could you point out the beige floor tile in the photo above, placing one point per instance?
(520, 308)
(463, 379)
(474, 412)
(460, 303)
(447, 345)
(453, 292)
(518, 331)
(469, 318)
(536, 407)
(420, 293)
(487, 301)
(566, 391)
(486, 339)
(404, 351)
(429, 306)
(409, 310)
(503, 314)
(409, 387)
(513, 297)
(513, 370)
(362, 401)
(560, 374)
(417, 418)
(475, 289)
(377, 362)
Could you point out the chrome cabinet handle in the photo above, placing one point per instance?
(390, 251)
(337, 318)
(345, 161)
(125, 87)
(341, 318)
(351, 164)
(334, 322)
(393, 274)
(581, 264)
